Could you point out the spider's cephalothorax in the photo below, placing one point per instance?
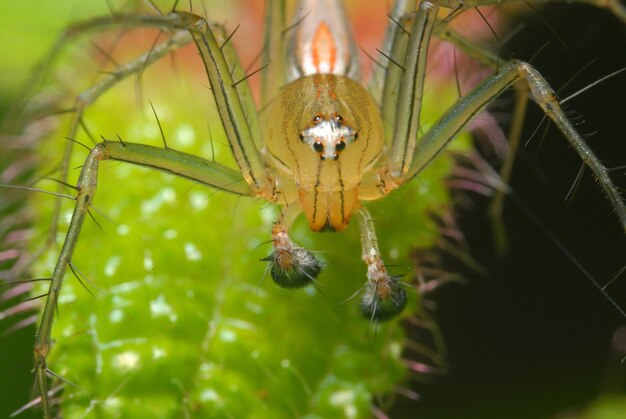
(328, 134)
(323, 130)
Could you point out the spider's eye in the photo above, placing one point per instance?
(317, 118)
(356, 136)
(339, 118)
(340, 145)
(318, 146)
(301, 137)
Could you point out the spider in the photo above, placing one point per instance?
(328, 145)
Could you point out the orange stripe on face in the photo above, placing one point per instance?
(324, 49)
(317, 82)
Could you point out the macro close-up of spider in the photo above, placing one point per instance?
(144, 128)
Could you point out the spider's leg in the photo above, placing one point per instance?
(274, 47)
(383, 297)
(406, 160)
(231, 109)
(486, 57)
(395, 55)
(240, 76)
(402, 103)
(459, 115)
(87, 97)
(165, 159)
(514, 136)
(443, 31)
(90, 95)
(397, 22)
(614, 6)
(290, 265)
(69, 34)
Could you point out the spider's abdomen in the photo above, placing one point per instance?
(324, 130)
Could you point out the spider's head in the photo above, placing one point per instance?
(324, 132)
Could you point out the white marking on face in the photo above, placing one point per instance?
(329, 136)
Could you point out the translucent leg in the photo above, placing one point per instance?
(395, 54)
(383, 297)
(90, 95)
(443, 31)
(457, 118)
(274, 49)
(229, 104)
(409, 101)
(72, 32)
(377, 82)
(514, 136)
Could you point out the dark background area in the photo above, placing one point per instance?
(534, 338)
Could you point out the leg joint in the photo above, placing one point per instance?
(540, 90)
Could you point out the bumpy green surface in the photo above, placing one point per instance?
(183, 319)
